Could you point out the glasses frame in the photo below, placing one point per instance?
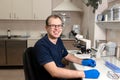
(60, 26)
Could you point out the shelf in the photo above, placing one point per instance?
(109, 24)
(115, 21)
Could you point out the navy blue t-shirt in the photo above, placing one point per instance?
(46, 52)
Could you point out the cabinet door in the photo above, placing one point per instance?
(22, 9)
(2, 52)
(15, 50)
(41, 9)
(5, 9)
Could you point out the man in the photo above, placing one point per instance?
(50, 51)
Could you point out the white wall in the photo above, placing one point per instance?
(91, 30)
(88, 23)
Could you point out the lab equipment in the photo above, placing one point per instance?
(77, 36)
(89, 62)
(112, 67)
(118, 51)
(82, 43)
(100, 50)
(93, 73)
(76, 28)
(112, 75)
(110, 48)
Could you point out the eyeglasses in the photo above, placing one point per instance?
(56, 26)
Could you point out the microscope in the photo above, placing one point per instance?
(83, 44)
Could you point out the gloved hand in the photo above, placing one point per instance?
(89, 62)
(93, 73)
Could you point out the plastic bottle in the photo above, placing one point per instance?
(118, 52)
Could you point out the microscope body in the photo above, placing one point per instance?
(84, 45)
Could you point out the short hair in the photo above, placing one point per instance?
(53, 16)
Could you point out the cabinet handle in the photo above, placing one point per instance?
(34, 16)
(10, 15)
(14, 15)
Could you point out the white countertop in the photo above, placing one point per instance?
(100, 66)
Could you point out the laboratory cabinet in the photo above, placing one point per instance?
(11, 52)
(15, 9)
(41, 9)
(25, 9)
(68, 43)
(2, 52)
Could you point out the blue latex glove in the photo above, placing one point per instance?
(89, 62)
(93, 73)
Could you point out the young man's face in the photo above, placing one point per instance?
(55, 28)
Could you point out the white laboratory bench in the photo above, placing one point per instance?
(100, 66)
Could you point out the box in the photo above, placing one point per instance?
(116, 13)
